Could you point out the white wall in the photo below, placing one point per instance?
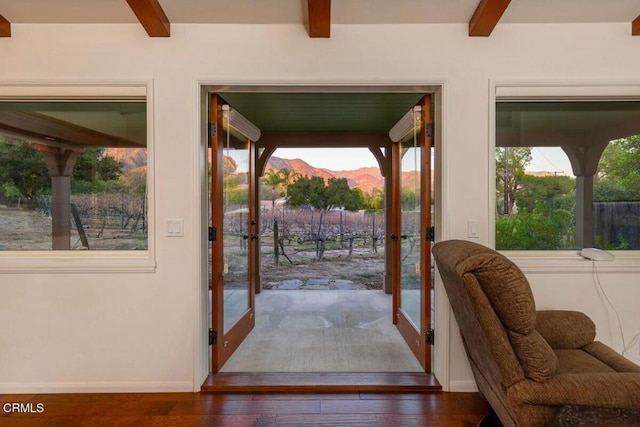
(126, 331)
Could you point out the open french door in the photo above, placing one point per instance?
(411, 233)
(232, 234)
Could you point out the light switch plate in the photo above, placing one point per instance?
(473, 228)
(175, 227)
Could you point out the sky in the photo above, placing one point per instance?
(549, 159)
(330, 158)
(544, 159)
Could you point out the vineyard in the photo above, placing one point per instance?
(104, 221)
(307, 244)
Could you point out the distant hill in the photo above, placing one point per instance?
(367, 179)
(131, 158)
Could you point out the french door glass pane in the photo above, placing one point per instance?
(410, 242)
(235, 230)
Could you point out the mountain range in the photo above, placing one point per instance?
(367, 178)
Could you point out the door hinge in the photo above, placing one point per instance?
(212, 130)
(429, 130)
(213, 337)
(431, 234)
(431, 337)
(213, 234)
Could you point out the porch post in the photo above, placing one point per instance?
(60, 163)
(584, 162)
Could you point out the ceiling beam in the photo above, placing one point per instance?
(5, 27)
(486, 16)
(319, 18)
(45, 129)
(324, 139)
(635, 27)
(152, 17)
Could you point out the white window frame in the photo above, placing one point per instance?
(39, 261)
(558, 91)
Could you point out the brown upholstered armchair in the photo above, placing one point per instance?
(529, 364)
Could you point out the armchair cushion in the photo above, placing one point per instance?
(506, 288)
(538, 359)
(565, 329)
(606, 389)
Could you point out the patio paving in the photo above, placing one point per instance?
(313, 284)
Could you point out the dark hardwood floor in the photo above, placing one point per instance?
(236, 410)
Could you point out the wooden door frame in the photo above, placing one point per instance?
(227, 341)
(436, 87)
(416, 340)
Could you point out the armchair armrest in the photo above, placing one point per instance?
(565, 329)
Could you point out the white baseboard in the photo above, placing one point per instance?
(463, 386)
(99, 387)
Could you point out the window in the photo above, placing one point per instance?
(73, 170)
(567, 175)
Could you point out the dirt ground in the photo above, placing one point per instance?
(26, 229)
(363, 268)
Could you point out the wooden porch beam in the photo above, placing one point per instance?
(44, 128)
(319, 18)
(5, 27)
(152, 17)
(635, 27)
(324, 139)
(486, 16)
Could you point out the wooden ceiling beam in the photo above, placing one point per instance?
(45, 129)
(635, 27)
(319, 18)
(5, 27)
(323, 139)
(486, 16)
(152, 17)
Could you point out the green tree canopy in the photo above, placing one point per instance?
(272, 179)
(375, 201)
(556, 191)
(544, 228)
(313, 192)
(22, 168)
(95, 172)
(618, 176)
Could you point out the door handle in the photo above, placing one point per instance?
(245, 236)
(394, 237)
(404, 236)
(255, 237)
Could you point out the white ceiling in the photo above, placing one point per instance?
(295, 11)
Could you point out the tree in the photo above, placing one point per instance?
(314, 193)
(555, 191)
(135, 180)
(618, 176)
(23, 169)
(272, 179)
(288, 177)
(375, 201)
(95, 172)
(510, 171)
